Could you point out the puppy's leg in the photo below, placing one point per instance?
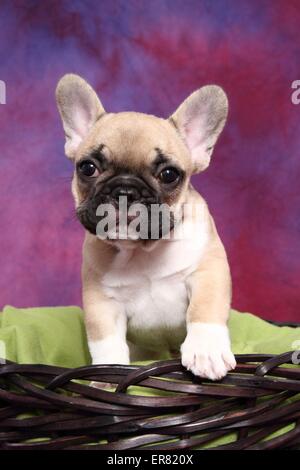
(106, 332)
(206, 350)
(106, 325)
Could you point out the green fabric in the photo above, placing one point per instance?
(56, 335)
(45, 335)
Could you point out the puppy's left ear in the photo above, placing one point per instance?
(200, 120)
(79, 108)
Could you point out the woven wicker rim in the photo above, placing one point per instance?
(254, 401)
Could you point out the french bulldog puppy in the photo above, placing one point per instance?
(145, 296)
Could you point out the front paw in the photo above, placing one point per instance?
(109, 350)
(103, 385)
(206, 350)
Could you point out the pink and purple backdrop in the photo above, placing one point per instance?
(148, 56)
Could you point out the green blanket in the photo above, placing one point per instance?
(56, 335)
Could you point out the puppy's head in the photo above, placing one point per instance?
(146, 159)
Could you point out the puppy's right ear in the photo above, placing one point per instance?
(79, 108)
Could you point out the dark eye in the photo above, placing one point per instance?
(88, 168)
(169, 175)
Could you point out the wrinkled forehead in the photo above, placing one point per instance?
(135, 137)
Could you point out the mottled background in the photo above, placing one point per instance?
(148, 56)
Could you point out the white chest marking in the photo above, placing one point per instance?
(151, 288)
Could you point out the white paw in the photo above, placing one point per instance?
(103, 385)
(110, 350)
(206, 350)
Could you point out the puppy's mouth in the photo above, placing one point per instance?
(125, 208)
(140, 222)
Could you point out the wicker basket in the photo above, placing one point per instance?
(253, 405)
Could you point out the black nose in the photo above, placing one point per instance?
(134, 188)
(130, 192)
